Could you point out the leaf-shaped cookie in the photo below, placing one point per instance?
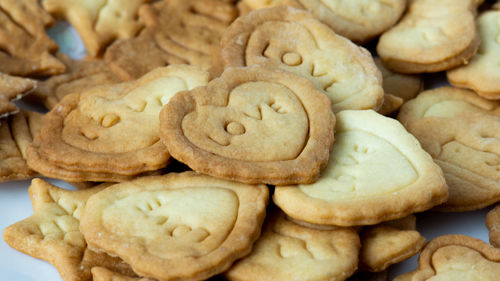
(25, 48)
(456, 257)
(99, 22)
(13, 88)
(358, 20)
(253, 125)
(482, 73)
(432, 36)
(16, 133)
(184, 226)
(177, 31)
(80, 75)
(355, 188)
(292, 40)
(287, 251)
(461, 131)
(110, 133)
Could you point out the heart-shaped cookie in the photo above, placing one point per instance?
(253, 125)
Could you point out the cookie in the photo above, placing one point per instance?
(104, 274)
(13, 88)
(493, 224)
(398, 88)
(456, 257)
(177, 31)
(110, 133)
(80, 75)
(252, 125)
(25, 48)
(482, 73)
(367, 145)
(431, 37)
(184, 226)
(51, 233)
(461, 131)
(357, 20)
(287, 251)
(292, 40)
(99, 22)
(389, 243)
(16, 133)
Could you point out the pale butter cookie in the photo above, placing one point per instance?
(287, 251)
(461, 131)
(110, 133)
(482, 73)
(176, 227)
(432, 36)
(294, 41)
(356, 187)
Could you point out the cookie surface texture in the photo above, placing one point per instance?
(52, 233)
(431, 37)
(252, 125)
(99, 22)
(456, 257)
(461, 131)
(294, 41)
(16, 133)
(177, 227)
(366, 146)
(110, 133)
(80, 75)
(482, 73)
(177, 32)
(287, 251)
(357, 20)
(25, 48)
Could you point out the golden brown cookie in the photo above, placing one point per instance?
(184, 226)
(456, 257)
(388, 243)
(398, 88)
(482, 73)
(104, 274)
(292, 40)
(432, 36)
(52, 233)
(358, 20)
(13, 88)
(80, 75)
(16, 133)
(367, 146)
(25, 48)
(461, 131)
(253, 125)
(99, 22)
(177, 31)
(110, 133)
(287, 251)
(493, 224)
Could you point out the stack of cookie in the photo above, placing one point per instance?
(276, 102)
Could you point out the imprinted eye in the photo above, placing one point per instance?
(291, 59)
(235, 128)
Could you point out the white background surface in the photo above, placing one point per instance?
(15, 204)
